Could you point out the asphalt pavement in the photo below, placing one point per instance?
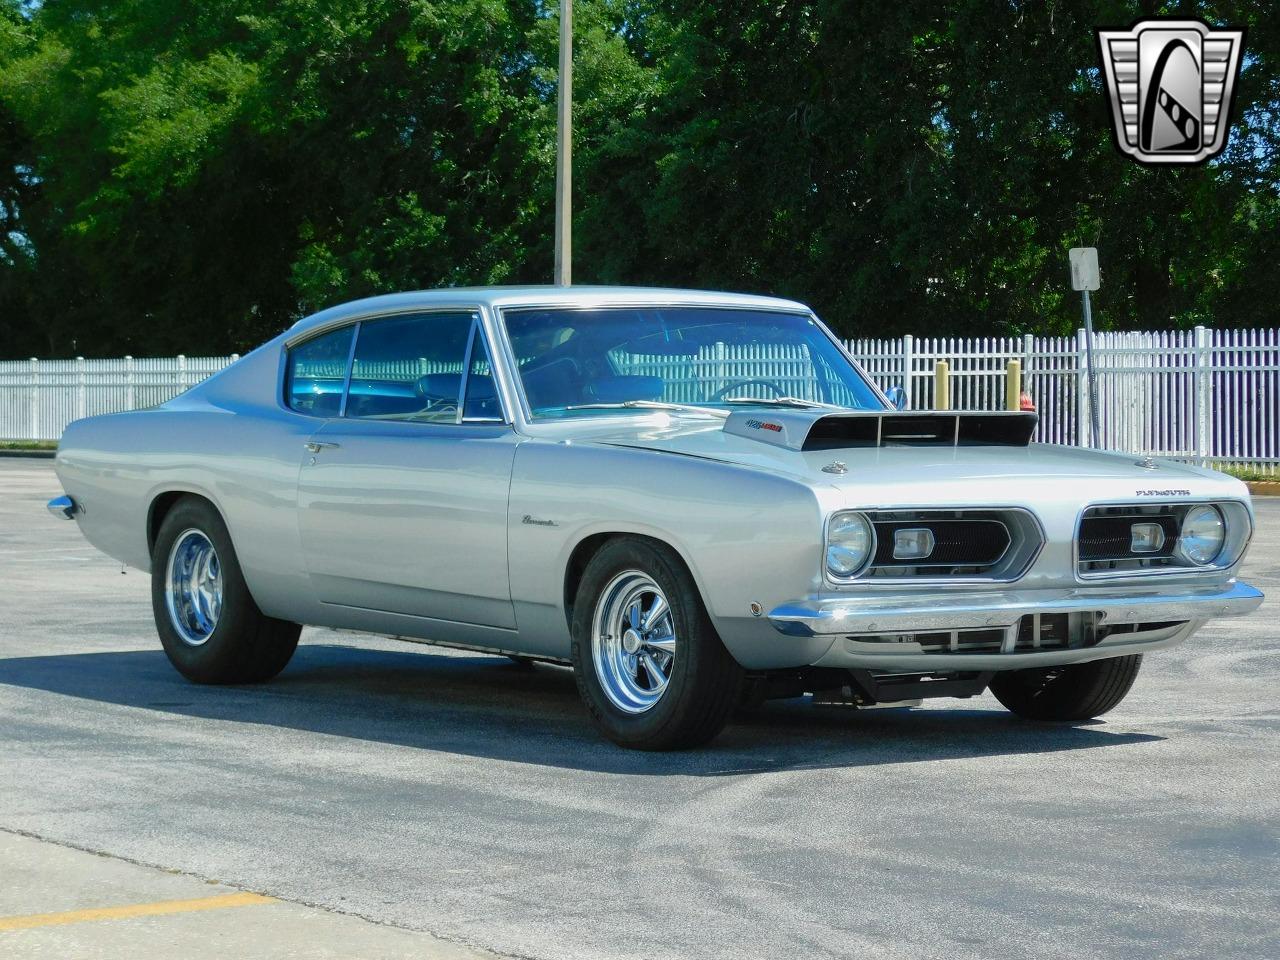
(56, 901)
(457, 795)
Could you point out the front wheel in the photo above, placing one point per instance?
(209, 625)
(650, 666)
(1077, 692)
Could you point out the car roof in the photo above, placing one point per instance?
(540, 296)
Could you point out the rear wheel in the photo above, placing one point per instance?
(1076, 692)
(650, 666)
(209, 625)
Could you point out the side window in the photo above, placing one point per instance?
(317, 372)
(410, 368)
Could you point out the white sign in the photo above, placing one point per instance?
(1084, 268)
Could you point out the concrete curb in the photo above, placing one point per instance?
(32, 454)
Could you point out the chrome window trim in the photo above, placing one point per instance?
(309, 333)
(848, 355)
(1179, 573)
(464, 430)
(477, 314)
(465, 376)
(527, 418)
(351, 362)
(861, 578)
(502, 360)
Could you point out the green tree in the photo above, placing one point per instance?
(924, 167)
(215, 171)
(193, 177)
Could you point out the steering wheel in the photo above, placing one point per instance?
(777, 390)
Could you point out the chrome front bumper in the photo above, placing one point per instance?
(870, 613)
(885, 632)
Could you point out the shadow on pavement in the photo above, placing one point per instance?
(488, 707)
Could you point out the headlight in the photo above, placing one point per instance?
(1203, 534)
(850, 541)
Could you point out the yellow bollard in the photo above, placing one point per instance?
(942, 385)
(1013, 385)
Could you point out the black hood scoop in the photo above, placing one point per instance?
(821, 430)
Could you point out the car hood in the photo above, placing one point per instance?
(940, 475)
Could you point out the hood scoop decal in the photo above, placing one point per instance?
(822, 430)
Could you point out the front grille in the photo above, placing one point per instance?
(1103, 549)
(964, 543)
(976, 544)
(1056, 631)
(1048, 631)
(1109, 536)
(1103, 545)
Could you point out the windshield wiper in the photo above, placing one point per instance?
(781, 402)
(649, 405)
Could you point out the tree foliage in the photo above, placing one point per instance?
(193, 177)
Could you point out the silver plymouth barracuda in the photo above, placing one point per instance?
(696, 499)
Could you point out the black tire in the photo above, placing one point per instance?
(245, 646)
(705, 681)
(1077, 692)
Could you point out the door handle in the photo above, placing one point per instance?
(315, 446)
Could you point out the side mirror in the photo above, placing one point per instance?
(897, 396)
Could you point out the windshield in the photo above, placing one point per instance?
(611, 360)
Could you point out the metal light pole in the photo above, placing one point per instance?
(564, 150)
(1085, 277)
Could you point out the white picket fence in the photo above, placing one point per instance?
(1200, 395)
(38, 398)
(1207, 396)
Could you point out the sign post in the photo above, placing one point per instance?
(1085, 277)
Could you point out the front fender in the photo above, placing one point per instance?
(747, 536)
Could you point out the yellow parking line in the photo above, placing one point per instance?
(133, 910)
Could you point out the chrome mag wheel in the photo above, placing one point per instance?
(633, 642)
(193, 587)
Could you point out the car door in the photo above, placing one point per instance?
(402, 497)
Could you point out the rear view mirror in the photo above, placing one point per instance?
(897, 396)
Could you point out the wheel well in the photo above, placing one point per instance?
(160, 508)
(582, 555)
(578, 561)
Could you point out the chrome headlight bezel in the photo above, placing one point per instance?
(1203, 556)
(836, 537)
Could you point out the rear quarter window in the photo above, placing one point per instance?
(316, 373)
